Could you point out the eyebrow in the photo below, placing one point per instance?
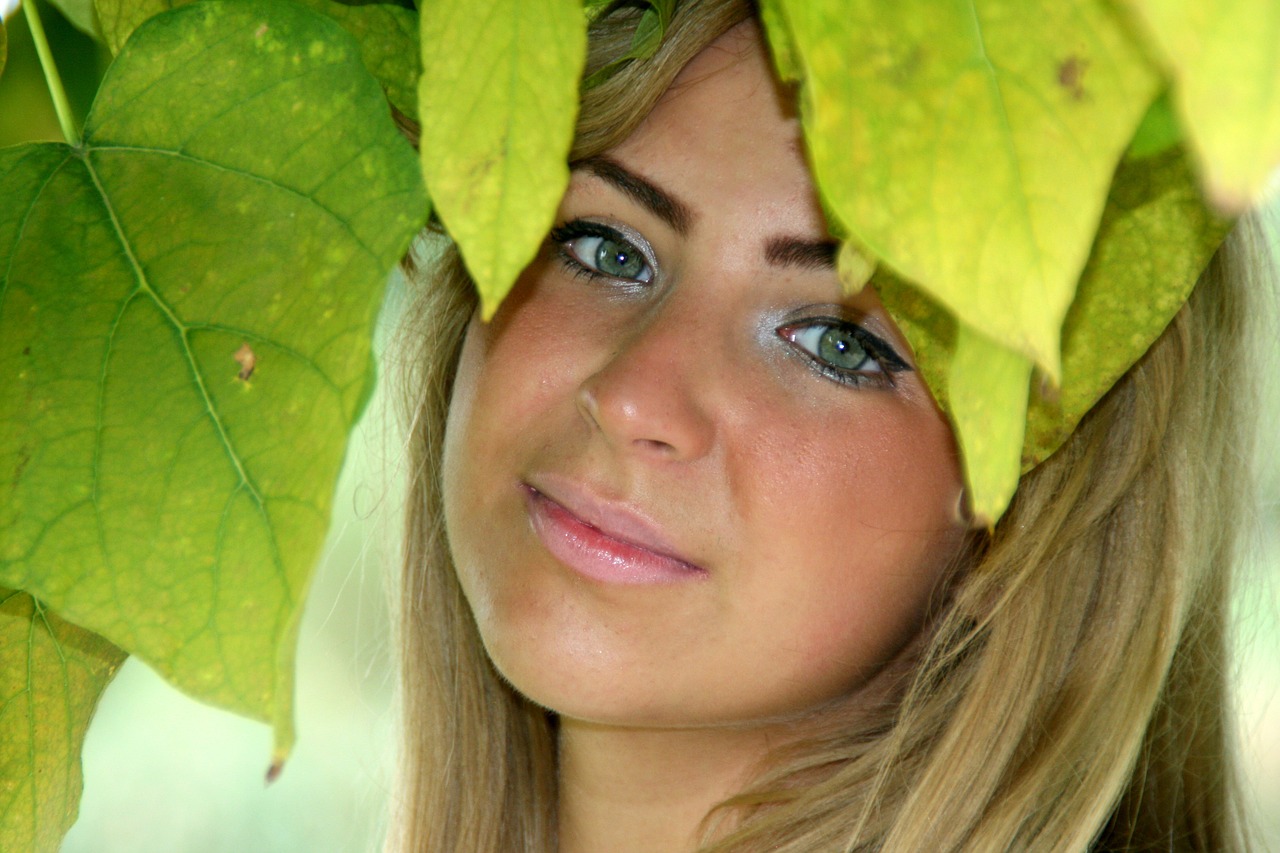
(779, 251)
(804, 254)
(653, 198)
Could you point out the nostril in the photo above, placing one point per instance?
(654, 445)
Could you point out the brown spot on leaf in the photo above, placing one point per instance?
(1047, 391)
(261, 31)
(1071, 76)
(247, 361)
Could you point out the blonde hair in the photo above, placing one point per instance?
(1070, 694)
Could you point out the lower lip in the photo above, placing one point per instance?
(594, 554)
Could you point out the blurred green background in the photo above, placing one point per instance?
(164, 773)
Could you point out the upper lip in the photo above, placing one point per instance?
(614, 518)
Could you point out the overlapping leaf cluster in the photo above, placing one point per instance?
(187, 294)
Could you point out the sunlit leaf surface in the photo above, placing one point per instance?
(117, 19)
(1224, 56)
(1155, 238)
(387, 35)
(51, 675)
(969, 145)
(186, 307)
(498, 100)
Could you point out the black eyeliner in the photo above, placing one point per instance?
(569, 231)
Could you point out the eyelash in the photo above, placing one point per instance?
(564, 235)
(874, 348)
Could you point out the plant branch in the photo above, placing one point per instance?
(51, 77)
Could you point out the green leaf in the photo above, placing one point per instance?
(1155, 239)
(386, 32)
(117, 19)
(498, 101)
(981, 385)
(388, 39)
(781, 44)
(81, 14)
(51, 675)
(4, 46)
(969, 145)
(1224, 57)
(1158, 132)
(645, 41)
(186, 306)
(592, 8)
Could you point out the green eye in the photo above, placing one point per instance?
(844, 351)
(600, 250)
(838, 347)
(616, 258)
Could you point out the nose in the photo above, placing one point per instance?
(650, 397)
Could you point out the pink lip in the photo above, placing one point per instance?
(602, 540)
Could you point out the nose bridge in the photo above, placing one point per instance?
(650, 395)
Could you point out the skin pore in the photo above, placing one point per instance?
(694, 492)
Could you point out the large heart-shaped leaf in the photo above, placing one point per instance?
(51, 675)
(1224, 57)
(186, 305)
(498, 101)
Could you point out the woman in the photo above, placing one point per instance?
(688, 565)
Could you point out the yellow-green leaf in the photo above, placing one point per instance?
(388, 39)
(387, 35)
(4, 45)
(117, 19)
(1224, 57)
(186, 305)
(969, 145)
(781, 46)
(81, 14)
(981, 385)
(1155, 239)
(498, 101)
(51, 675)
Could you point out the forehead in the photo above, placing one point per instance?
(725, 137)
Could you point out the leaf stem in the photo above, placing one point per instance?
(51, 77)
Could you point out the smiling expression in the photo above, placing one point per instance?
(688, 481)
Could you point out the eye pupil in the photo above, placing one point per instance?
(616, 259)
(840, 348)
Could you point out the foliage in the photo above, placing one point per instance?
(51, 674)
(494, 155)
(187, 308)
(186, 296)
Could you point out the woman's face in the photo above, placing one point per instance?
(688, 481)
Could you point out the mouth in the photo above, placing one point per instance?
(604, 542)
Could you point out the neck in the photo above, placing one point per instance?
(649, 790)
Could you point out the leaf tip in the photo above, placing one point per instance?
(276, 768)
(855, 266)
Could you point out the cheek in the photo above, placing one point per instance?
(862, 527)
